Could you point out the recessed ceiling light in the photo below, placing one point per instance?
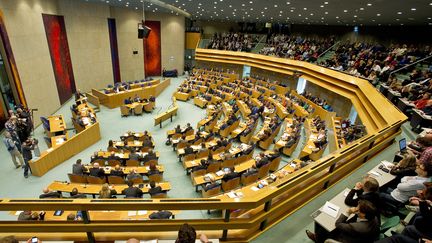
(369, 4)
(288, 3)
(299, 15)
(311, 14)
(326, 13)
(378, 14)
(304, 8)
(337, 17)
(292, 10)
(345, 10)
(413, 9)
(275, 5)
(322, 6)
(355, 16)
(325, 2)
(361, 9)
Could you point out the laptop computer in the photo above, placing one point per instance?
(402, 145)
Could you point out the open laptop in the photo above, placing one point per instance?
(402, 145)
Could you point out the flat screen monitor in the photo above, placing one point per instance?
(402, 145)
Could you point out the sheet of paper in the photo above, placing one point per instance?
(374, 173)
(387, 164)
(132, 213)
(232, 195)
(254, 188)
(142, 212)
(220, 173)
(331, 209)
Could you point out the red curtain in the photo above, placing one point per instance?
(152, 50)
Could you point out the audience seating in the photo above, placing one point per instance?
(95, 180)
(249, 179)
(231, 184)
(274, 164)
(212, 192)
(124, 110)
(156, 177)
(77, 178)
(116, 180)
(132, 162)
(263, 171)
(137, 181)
(138, 110)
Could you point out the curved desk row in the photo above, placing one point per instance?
(57, 155)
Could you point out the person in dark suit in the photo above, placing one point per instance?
(211, 185)
(178, 129)
(132, 175)
(147, 143)
(363, 227)
(365, 190)
(188, 150)
(117, 171)
(135, 156)
(153, 169)
(273, 155)
(151, 155)
(95, 157)
(75, 194)
(113, 156)
(154, 189)
(78, 168)
(97, 171)
(131, 191)
(49, 194)
(202, 166)
(251, 171)
(231, 175)
(161, 214)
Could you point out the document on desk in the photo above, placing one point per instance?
(132, 213)
(331, 209)
(375, 173)
(142, 212)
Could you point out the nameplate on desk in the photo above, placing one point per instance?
(331, 209)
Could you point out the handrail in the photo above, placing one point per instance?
(331, 47)
(409, 65)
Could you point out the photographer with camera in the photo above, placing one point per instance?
(27, 148)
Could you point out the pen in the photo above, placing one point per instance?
(332, 208)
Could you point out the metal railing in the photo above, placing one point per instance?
(409, 65)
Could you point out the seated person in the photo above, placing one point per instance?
(365, 190)
(251, 171)
(231, 175)
(29, 215)
(107, 192)
(137, 98)
(273, 155)
(47, 193)
(78, 168)
(187, 128)
(161, 214)
(151, 155)
(211, 185)
(95, 156)
(128, 101)
(117, 171)
(178, 129)
(96, 171)
(153, 169)
(133, 175)
(134, 156)
(393, 199)
(111, 146)
(405, 167)
(154, 189)
(75, 194)
(202, 166)
(188, 150)
(363, 227)
(147, 143)
(187, 234)
(131, 191)
(113, 156)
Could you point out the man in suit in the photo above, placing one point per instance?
(97, 171)
(211, 185)
(133, 155)
(154, 189)
(151, 155)
(231, 175)
(202, 166)
(47, 193)
(188, 150)
(147, 143)
(117, 171)
(131, 191)
(95, 156)
(78, 168)
(26, 149)
(363, 227)
(133, 175)
(113, 156)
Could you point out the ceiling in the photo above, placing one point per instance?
(333, 12)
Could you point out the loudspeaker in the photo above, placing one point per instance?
(143, 31)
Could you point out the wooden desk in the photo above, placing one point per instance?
(327, 221)
(142, 170)
(200, 102)
(158, 119)
(122, 155)
(94, 189)
(57, 125)
(55, 156)
(381, 176)
(58, 140)
(103, 215)
(199, 180)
